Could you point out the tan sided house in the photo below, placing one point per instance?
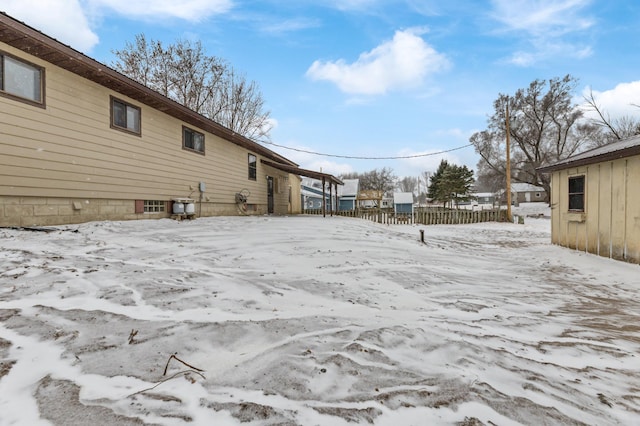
(81, 142)
(595, 200)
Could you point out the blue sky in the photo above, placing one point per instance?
(376, 78)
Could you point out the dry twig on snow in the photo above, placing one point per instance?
(173, 356)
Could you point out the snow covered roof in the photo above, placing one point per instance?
(350, 188)
(612, 151)
(403, 197)
(525, 187)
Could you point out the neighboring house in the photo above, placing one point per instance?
(527, 193)
(312, 195)
(387, 203)
(595, 205)
(403, 203)
(348, 194)
(479, 201)
(312, 200)
(369, 198)
(81, 142)
(485, 200)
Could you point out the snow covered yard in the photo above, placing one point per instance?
(313, 321)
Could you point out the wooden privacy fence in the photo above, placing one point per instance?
(423, 216)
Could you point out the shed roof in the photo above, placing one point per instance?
(403, 198)
(613, 151)
(350, 188)
(303, 172)
(525, 187)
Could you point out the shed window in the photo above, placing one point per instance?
(252, 167)
(125, 116)
(192, 140)
(21, 80)
(576, 193)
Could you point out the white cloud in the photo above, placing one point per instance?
(542, 17)
(428, 162)
(401, 63)
(544, 49)
(354, 4)
(304, 157)
(190, 10)
(68, 20)
(617, 102)
(544, 23)
(327, 166)
(63, 20)
(289, 25)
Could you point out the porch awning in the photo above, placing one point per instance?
(303, 172)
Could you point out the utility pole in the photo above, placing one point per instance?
(509, 218)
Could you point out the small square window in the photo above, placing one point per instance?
(21, 80)
(192, 140)
(125, 116)
(154, 206)
(253, 164)
(576, 193)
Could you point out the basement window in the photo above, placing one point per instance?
(576, 194)
(154, 206)
(21, 80)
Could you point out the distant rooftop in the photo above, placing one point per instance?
(403, 197)
(350, 188)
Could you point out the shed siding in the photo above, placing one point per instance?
(618, 206)
(68, 150)
(632, 241)
(610, 225)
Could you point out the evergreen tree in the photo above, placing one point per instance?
(451, 183)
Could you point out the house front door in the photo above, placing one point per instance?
(270, 195)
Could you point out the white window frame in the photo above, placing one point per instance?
(154, 206)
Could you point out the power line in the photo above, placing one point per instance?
(353, 157)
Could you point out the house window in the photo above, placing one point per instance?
(125, 116)
(253, 163)
(154, 206)
(192, 140)
(21, 80)
(576, 193)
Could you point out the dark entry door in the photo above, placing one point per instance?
(270, 195)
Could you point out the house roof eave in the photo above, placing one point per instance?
(27, 39)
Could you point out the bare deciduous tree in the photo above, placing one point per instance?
(244, 111)
(205, 84)
(379, 180)
(407, 184)
(612, 128)
(544, 127)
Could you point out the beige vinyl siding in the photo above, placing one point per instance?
(296, 190)
(610, 225)
(70, 150)
(632, 220)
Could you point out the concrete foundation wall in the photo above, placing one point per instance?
(37, 211)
